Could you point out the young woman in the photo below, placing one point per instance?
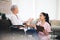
(44, 22)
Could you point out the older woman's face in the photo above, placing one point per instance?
(15, 10)
(42, 17)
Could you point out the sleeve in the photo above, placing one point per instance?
(8, 16)
(48, 28)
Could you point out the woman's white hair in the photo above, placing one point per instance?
(13, 7)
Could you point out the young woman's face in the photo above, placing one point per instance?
(42, 17)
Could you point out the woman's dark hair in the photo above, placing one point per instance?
(46, 17)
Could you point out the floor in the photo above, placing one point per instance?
(15, 36)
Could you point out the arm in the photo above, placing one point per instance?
(45, 32)
(47, 29)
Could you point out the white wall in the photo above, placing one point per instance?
(25, 8)
(58, 8)
(48, 6)
(32, 8)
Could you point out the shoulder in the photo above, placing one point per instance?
(9, 16)
(47, 24)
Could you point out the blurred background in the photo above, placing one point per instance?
(32, 9)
